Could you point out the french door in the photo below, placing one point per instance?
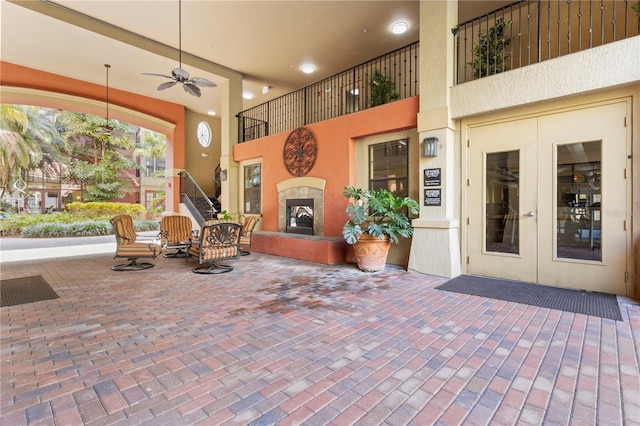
(547, 199)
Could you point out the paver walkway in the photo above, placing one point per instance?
(281, 341)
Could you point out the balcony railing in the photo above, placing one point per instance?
(532, 31)
(343, 93)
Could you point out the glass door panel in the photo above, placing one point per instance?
(501, 202)
(578, 181)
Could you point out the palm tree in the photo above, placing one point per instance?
(152, 146)
(28, 140)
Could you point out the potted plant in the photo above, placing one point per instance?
(377, 218)
(488, 51)
(382, 88)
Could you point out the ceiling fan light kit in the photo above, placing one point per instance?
(190, 84)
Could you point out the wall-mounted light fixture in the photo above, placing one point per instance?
(223, 174)
(430, 147)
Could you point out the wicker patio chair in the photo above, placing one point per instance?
(129, 247)
(176, 233)
(219, 241)
(250, 223)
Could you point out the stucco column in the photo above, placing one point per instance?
(231, 106)
(435, 247)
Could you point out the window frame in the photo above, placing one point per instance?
(372, 180)
(244, 166)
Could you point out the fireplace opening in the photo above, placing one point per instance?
(300, 216)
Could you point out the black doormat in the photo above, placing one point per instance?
(581, 302)
(17, 291)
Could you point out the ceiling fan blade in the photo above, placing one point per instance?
(203, 82)
(180, 74)
(192, 89)
(157, 75)
(167, 85)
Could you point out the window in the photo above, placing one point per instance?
(154, 165)
(252, 188)
(389, 167)
(149, 196)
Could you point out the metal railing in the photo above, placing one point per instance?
(195, 199)
(532, 31)
(341, 94)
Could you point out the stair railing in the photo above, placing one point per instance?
(195, 199)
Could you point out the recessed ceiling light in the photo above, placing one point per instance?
(211, 112)
(399, 27)
(247, 95)
(308, 68)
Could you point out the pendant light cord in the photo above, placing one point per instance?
(180, 32)
(107, 66)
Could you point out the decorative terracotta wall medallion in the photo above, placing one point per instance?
(300, 151)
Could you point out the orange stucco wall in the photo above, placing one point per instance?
(335, 161)
(18, 76)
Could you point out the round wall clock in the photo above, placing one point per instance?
(204, 133)
(300, 151)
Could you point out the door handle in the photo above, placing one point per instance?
(530, 214)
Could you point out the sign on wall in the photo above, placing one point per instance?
(432, 177)
(432, 197)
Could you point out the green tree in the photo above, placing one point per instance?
(90, 136)
(108, 179)
(98, 159)
(29, 140)
(152, 146)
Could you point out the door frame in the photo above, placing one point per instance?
(536, 111)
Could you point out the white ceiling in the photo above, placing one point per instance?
(265, 41)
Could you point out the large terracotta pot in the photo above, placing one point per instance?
(371, 253)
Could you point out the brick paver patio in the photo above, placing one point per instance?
(280, 341)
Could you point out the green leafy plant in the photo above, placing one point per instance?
(223, 215)
(636, 8)
(382, 88)
(65, 223)
(80, 229)
(488, 51)
(378, 213)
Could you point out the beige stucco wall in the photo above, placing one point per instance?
(201, 168)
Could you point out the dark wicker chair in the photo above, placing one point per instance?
(219, 241)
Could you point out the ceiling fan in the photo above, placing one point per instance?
(190, 84)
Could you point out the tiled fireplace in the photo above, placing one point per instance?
(299, 216)
(301, 207)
